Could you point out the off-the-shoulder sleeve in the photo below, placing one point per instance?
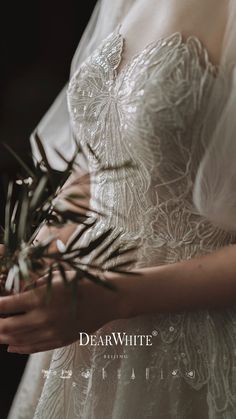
(55, 127)
(55, 132)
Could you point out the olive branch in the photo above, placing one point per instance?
(37, 204)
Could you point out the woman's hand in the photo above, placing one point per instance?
(2, 249)
(49, 325)
(203, 282)
(2, 276)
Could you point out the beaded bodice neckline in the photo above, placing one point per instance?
(168, 40)
(152, 111)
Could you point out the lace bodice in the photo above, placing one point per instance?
(152, 112)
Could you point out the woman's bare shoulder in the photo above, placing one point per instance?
(145, 22)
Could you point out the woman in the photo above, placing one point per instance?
(145, 85)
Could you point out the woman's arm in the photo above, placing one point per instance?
(207, 281)
(204, 282)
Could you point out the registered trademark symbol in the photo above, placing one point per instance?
(154, 333)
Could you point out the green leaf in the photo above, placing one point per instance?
(23, 219)
(107, 247)
(42, 151)
(79, 235)
(14, 214)
(38, 193)
(8, 215)
(97, 280)
(83, 207)
(126, 273)
(23, 267)
(93, 153)
(22, 163)
(84, 251)
(119, 268)
(119, 252)
(50, 172)
(125, 165)
(49, 284)
(63, 273)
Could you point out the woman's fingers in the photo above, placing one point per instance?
(37, 347)
(27, 338)
(19, 303)
(41, 281)
(21, 323)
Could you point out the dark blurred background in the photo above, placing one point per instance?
(38, 40)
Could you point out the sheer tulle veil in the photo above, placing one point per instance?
(215, 184)
(214, 192)
(54, 128)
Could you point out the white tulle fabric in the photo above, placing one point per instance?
(154, 112)
(214, 188)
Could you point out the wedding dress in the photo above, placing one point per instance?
(151, 112)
